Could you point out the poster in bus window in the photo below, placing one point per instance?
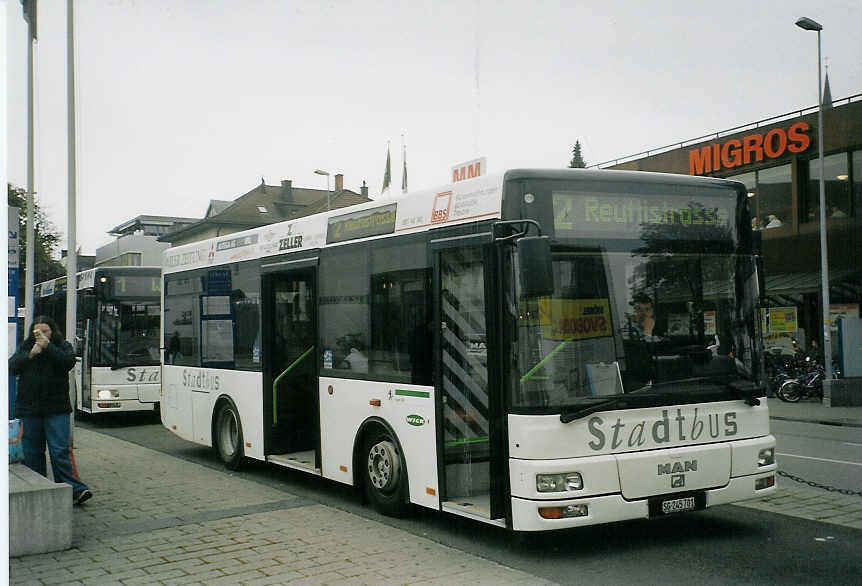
(216, 340)
(574, 319)
(216, 305)
(604, 379)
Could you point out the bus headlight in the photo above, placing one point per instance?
(564, 482)
(106, 394)
(766, 457)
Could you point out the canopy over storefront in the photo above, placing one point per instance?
(788, 288)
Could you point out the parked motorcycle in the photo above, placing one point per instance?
(809, 384)
(781, 368)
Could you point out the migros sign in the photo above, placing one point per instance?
(749, 149)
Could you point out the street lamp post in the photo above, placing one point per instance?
(322, 172)
(811, 25)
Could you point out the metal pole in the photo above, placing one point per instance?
(31, 213)
(72, 256)
(328, 199)
(824, 256)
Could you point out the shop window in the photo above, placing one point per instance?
(750, 181)
(775, 199)
(837, 186)
(857, 183)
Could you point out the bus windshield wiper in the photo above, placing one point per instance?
(571, 413)
(567, 415)
(740, 388)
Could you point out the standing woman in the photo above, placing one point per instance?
(42, 363)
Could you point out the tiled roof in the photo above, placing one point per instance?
(266, 204)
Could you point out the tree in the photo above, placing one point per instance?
(47, 241)
(577, 161)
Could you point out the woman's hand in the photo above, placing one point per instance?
(41, 341)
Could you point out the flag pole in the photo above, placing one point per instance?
(29, 281)
(72, 255)
(404, 165)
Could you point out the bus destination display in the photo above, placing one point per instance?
(134, 286)
(699, 217)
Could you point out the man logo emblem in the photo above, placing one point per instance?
(677, 481)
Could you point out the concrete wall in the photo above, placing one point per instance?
(40, 513)
(842, 392)
(150, 249)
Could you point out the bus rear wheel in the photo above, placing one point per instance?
(384, 474)
(227, 436)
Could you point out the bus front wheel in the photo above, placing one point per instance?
(227, 436)
(384, 474)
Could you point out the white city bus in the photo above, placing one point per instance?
(117, 336)
(435, 349)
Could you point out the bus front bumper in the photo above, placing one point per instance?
(595, 510)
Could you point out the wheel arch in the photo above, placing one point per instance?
(221, 400)
(367, 427)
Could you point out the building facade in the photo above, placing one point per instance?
(136, 241)
(778, 161)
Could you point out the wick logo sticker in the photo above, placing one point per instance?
(415, 420)
(440, 211)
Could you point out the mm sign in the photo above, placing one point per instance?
(469, 170)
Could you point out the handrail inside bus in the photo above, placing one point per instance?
(278, 378)
(542, 362)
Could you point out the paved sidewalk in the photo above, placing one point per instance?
(157, 519)
(815, 412)
(800, 500)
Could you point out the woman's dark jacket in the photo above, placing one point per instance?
(43, 381)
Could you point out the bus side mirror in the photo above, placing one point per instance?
(89, 306)
(534, 262)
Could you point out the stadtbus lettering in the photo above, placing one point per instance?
(662, 431)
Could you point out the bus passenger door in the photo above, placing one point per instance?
(467, 411)
(289, 364)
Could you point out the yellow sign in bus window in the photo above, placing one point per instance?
(574, 319)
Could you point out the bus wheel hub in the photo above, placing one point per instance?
(383, 465)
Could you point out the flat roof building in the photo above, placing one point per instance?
(778, 161)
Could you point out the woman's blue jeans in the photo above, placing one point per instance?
(53, 430)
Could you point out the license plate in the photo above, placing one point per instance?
(678, 505)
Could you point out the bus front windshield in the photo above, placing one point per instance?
(627, 322)
(129, 333)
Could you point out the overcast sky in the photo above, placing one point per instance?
(184, 101)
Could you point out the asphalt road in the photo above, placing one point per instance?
(725, 545)
(826, 454)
